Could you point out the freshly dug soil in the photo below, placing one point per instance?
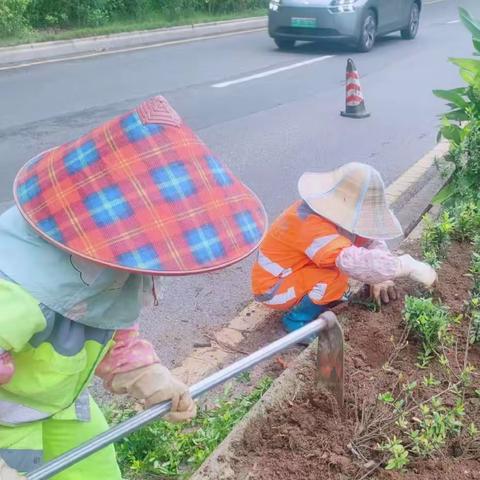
(311, 439)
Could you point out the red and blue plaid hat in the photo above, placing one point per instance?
(141, 193)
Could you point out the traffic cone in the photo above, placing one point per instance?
(355, 103)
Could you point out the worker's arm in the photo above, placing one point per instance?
(374, 266)
(132, 367)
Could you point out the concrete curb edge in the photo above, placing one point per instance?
(36, 52)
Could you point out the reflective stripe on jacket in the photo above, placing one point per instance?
(297, 257)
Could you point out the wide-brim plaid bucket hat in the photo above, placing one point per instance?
(141, 193)
(352, 197)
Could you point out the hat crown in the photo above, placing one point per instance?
(353, 197)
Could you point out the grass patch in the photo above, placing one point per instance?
(164, 450)
(154, 20)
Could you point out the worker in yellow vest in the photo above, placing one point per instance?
(96, 221)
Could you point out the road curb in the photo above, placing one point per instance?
(203, 361)
(36, 52)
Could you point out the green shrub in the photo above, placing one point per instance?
(429, 321)
(464, 104)
(166, 450)
(12, 16)
(436, 238)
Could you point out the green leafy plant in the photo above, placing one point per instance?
(434, 425)
(429, 321)
(473, 310)
(436, 238)
(244, 377)
(431, 381)
(466, 375)
(464, 106)
(174, 451)
(466, 215)
(12, 16)
(422, 428)
(386, 397)
(472, 430)
(399, 457)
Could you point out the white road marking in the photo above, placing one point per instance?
(129, 49)
(274, 71)
(453, 21)
(431, 2)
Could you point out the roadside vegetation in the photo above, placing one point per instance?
(24, 21)
(420, 418)
(163, 450)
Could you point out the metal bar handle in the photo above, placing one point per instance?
(138, 421)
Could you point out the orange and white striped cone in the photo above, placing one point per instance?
(355, 103)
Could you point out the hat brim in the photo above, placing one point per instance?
(141, 271)
(315, 188)
(141, 193)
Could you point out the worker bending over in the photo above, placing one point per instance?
(335, 232)
(95, 221)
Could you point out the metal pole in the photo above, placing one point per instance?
(154, 413)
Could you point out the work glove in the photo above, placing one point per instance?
(383, 292)
(155, 384)
(7, 473)
(417, 271)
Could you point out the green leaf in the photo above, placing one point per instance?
(469, 77)
(470, 23)
(458, 114)
(452, 133)
(468, 64)
(454, 96)
(476, 44)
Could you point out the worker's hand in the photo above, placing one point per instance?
(419, 271)
(7, 473)
(383, 292)
(155, 384)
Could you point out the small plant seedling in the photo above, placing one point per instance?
(408, 388)
(444, 362)
(386, 398)
(398, 454)
(431, 381)
(472, 430)
(466, 375)
(244, 377)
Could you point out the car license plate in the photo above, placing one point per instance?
(304, 22)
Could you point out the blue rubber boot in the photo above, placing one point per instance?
(302, 313)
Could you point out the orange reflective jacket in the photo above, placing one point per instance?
(297, 257)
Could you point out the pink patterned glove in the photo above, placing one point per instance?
(128, 353)
(7, 368)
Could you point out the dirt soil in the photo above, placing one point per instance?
(312, 439)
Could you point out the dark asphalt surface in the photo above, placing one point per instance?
(269, 130)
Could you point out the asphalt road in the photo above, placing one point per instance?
(269, 124)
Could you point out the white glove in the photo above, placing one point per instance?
(418, 271)
(383, 292)
(7, 473)
(155, 384)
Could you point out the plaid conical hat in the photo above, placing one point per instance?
(141, 193)
(353, 197)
